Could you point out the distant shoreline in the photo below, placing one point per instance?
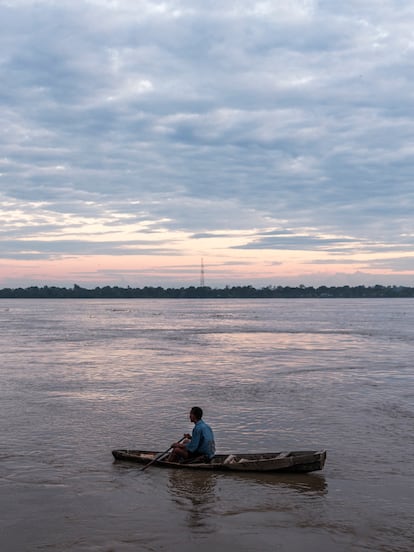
(206, 292)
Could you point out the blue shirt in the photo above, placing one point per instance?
(202, 440)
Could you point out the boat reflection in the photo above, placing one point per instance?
(199, 492)
(308, 483)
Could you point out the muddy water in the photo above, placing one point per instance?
(78, 378)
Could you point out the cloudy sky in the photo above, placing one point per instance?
(273, 139)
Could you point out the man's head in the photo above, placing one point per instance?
(196, 414)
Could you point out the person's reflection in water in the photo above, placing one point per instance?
(194, 492)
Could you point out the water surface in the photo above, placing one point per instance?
(79, 378)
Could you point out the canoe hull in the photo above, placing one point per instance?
(293, 461)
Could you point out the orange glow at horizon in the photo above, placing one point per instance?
(221, 268)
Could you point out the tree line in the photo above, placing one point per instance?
(206, 292)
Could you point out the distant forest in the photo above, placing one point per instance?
(206, 292)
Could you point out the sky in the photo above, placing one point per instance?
(272, 141)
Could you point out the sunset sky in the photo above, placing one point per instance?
(272, 139)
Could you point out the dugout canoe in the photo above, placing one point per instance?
(292, 461)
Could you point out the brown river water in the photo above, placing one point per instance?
(79, 378)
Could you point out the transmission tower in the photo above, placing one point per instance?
(202, 281)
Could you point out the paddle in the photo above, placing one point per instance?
(161, 455)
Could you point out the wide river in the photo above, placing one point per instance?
(81, 377)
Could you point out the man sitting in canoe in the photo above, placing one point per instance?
(198, 445)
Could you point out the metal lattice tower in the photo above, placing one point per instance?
(202, 281)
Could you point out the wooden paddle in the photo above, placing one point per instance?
(161, 455)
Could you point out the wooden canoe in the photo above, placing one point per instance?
(293, 461)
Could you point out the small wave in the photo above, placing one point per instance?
(395, 411)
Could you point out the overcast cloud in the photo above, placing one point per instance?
(165, 129)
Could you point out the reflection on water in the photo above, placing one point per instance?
(301, 483)
(195, 493)
(199, 494)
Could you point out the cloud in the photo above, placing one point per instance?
(215, 121)
(301, 242)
